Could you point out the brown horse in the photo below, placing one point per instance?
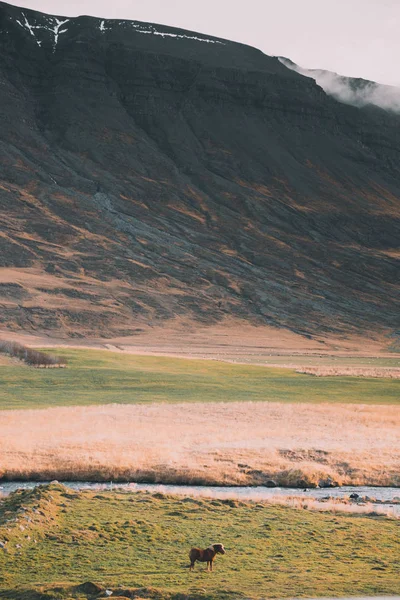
(206, 555)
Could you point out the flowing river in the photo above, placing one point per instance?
(386, 496)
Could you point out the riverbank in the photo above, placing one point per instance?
(355, 500)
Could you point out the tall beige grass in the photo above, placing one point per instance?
(222, 444)
(340, 371)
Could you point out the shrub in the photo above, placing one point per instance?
(32, 357)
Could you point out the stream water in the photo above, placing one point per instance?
(380, 494)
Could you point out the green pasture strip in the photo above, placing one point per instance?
(103, 377)
(140, 540)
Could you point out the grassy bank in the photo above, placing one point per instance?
(102, 377)
(119, 540)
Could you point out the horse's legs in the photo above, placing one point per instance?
(191, 566)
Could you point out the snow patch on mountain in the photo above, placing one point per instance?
(150, 30)
(52, 25)
(180, 36)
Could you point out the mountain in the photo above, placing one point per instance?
(150, 173)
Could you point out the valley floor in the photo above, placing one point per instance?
(120, 416)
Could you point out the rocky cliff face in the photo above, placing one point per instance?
(149, 173)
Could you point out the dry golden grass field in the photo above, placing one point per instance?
(230, 340)
(214, 443)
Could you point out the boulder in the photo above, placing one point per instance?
(89, 588)
(327, 483)
(270, 483)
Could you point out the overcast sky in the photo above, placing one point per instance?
(360, 38)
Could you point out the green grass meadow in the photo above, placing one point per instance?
(103, 377)
(139, 540)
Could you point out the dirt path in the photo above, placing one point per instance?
(230, 341)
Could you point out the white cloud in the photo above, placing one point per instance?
(358, 92)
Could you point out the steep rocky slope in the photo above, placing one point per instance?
(149, 173)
